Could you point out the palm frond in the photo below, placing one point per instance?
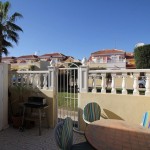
(15, 16)
(1, 6)
(5, 51)
(13, 38)
(6, 43)
(12, 26)
(8, 29)
(12, 33)
(6, 7)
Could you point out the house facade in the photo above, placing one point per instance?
(130, 61)
(108, 59)
(58, 57)
(9, 60)
(27, 58)
(26, 62)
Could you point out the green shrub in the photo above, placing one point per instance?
(142, 57)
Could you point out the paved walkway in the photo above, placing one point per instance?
(12, 139)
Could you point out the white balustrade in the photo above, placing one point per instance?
(34, 79)
(113, 89)
(38, 81)
(103, 90)
(47, 79)
(27, 79)
(21, 79)
(135, 84)
(124, 90)
(129, 79)
(94, 84)
(45, 82)
(147, 92)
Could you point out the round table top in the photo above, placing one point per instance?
(110, 134)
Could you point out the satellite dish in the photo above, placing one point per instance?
(139, 44)
(35, 53)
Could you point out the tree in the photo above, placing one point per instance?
(8, 28)
(142, 57)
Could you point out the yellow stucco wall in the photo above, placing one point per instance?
(125, 107)
(17, 100)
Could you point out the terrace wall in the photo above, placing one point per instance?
(125, 107)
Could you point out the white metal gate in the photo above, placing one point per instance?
(67, 94)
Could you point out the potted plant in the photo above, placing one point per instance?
(16, 101)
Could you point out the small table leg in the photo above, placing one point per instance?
(39, 121)
(47, 119)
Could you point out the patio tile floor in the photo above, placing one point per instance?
(12, 139)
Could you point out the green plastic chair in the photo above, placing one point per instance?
(146, 120)
(91, 112)
(64, 137)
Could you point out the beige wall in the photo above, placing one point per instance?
(125, 107)
(17, 100)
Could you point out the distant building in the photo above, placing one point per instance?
(58, 57)
(9, 60)
(26, 62)
(130, 61)
(109, 59)
(27, 58)
(61, 60)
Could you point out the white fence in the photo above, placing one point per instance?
(106, 82)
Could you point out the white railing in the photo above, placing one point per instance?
(105, 80)
(36, 79)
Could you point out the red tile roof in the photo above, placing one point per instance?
(28, 57)
(108, 52)
(52, 55)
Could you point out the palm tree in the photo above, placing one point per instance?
(8, 28)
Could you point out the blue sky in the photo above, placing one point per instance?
(80, 27)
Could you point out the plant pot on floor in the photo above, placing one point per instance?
(17, 121)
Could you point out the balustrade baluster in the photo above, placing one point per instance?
(135, 84)
(27, 79)
(113, 90)
(34, 81)
(94, 85)
(38, 81)
(103, 90)
(124, 90)
(45, 82)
